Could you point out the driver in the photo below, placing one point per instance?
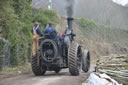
(50, 29)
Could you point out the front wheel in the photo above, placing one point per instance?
(86, 61)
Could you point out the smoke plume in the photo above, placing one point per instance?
(70, 7)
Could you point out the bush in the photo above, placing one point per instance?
(45, 16)
(85, 25)
(16, 21)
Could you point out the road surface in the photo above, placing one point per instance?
(50, 78)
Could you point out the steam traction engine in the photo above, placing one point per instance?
(57, 53)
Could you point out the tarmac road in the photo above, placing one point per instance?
(50, 78)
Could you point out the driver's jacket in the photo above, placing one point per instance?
(38, 31)
(50, 30)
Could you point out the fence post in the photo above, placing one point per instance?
(1, 62)
(1, 53)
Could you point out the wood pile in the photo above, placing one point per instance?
(114, 66)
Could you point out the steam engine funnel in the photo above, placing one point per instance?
(69, 22)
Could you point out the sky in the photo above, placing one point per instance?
(121, 2)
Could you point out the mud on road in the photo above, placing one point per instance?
(50, 78)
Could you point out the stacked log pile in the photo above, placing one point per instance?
(114, 66)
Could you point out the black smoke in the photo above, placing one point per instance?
(70, 7)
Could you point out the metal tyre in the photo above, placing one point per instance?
(37, 70)
(74, 59)
(86, 61)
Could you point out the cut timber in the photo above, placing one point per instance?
(114, 66)
(117, 75)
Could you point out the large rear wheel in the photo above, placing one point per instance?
(37, 70)
(74, 59)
